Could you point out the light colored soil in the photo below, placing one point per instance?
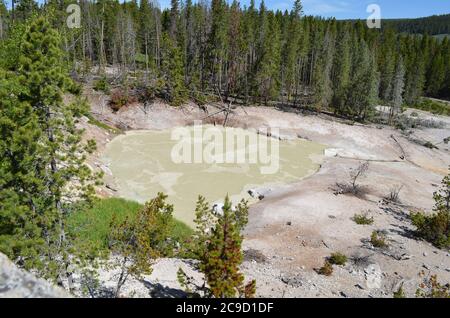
(296, 226)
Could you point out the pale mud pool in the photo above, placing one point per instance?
(143, 164)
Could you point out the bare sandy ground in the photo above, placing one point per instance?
(293, 229)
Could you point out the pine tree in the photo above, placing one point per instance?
(236, 49)
(53, 154)
(173, 19)
(436, 75)
(25, 9)
(217, 45)
(138, 242)
(3, 20)
(322, 82)
(172, 86)
(290, 51)
(217, 245)
(387, 65)
(341, 70)
(363, 91)
(223, 253)
(397, 88)
(268, 63)
(415, 79)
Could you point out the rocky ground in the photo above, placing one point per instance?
(293, 229)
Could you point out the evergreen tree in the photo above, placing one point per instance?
(36, 204)
(290, 51)
(172, 78)
(217, 45)
(341, 70)
(387, 65)
(173, 19)
(415, 79)
(218, 241)
(3, 20)
(24, 9)
(398, 88)
(267, 64)
(138, 242)
(363, 91)
(436, 75)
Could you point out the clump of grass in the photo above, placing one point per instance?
(394, 194)
(433, 106)
(378, 239)
(337, 259)
(326, 269)
(400, 293)
(363, 219)
(91, 227)
(98, 123)
(429, 145)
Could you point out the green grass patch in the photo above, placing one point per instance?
(378, 239)
(432, 106)
(91, 226)
(98, 123)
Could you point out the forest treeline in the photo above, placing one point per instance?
(252, 54)
(434, 25)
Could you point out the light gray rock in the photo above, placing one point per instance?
(16, 283)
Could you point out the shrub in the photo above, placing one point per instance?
(337, 259)
(399, 293)
(363, 219)
(120, 98)
(435, 228)
(102, 85)
(378, 239)
(326, 269)
(431, 288)
(394, 194)
(352, 186)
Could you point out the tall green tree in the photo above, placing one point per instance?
(362, 94)
(398, 84)
(341, 69)
(35, 205)
(3, 20)
(218, 246)
(172, 79)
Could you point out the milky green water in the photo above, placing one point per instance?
(142, 165)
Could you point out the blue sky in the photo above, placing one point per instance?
(345, 9)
